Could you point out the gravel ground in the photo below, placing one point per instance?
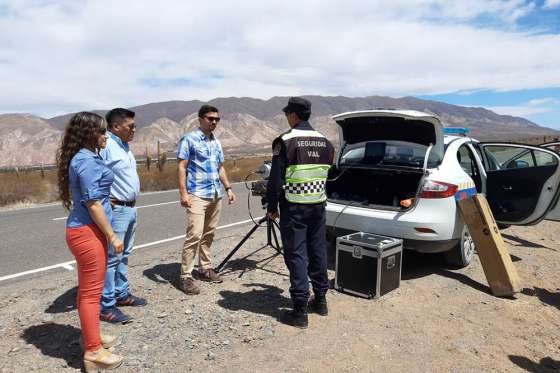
(438, 320)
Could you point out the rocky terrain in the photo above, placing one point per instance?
(27, 140)
(438, 320)
(248, 124)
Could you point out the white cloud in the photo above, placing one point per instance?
(550, 4)
(532, 107)
(97, 54)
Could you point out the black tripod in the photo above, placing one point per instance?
(270, 233)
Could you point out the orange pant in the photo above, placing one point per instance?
(89, 246)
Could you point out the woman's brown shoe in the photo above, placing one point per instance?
(107, 341)
(101, 359)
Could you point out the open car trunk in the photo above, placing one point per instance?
(373, 188)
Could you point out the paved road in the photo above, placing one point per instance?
(34, 238)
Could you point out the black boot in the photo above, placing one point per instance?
(297, 317)
(318, 305)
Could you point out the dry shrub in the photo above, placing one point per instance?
(154, 179)
(27, 187)
(238, 169)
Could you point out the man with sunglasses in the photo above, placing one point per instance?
(202, 180)
(124, 191)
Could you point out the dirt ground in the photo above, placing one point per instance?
(439, 320)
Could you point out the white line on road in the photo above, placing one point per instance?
(158, 204)
(50, 204)
(183, 236)
(152, 205)
(139, 207)
(43, 269)
(68, 265)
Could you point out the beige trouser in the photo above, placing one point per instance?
(202, 220)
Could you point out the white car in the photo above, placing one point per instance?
(397, 174)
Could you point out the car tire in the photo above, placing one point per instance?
(461, 254)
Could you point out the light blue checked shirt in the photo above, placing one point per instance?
(205, 158)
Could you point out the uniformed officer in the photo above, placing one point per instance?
(300, 163)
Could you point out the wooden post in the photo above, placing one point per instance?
(42, 171)
(148, 158)
(158, 156)
(494, 256)
(163, 160)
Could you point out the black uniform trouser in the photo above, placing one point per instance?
(305, 248)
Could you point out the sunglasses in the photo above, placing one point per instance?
(212, 119)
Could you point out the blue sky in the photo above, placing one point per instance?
(540, 105)
(58, 56)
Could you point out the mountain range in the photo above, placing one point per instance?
(248, 125)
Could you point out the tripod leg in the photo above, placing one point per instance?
(268, 232)
(232, 252)
(278, 248)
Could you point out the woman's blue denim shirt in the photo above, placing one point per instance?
(90, 180)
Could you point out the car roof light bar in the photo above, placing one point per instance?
(456, 131)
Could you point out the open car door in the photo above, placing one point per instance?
(522, 181)
(554, 146)
(554, 213)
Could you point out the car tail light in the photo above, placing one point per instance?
(424, 230)
(437, 189)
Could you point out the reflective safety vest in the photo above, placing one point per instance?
(309, 156)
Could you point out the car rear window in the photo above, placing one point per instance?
(384, 153)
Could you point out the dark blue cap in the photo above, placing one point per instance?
(297, 105)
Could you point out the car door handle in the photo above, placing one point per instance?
(507, 187)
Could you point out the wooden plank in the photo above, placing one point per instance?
(494, 256)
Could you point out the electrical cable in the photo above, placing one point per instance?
(249, 199)
(247, 177)
(351, 165)
(344, 170)
(333, 229)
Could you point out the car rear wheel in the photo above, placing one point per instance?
(461, 254)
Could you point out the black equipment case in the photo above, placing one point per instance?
(368, 265)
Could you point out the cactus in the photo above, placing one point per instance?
(148, 158)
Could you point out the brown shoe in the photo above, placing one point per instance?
(100, 360)
(107, 341)
(189, 287)
(210, 276)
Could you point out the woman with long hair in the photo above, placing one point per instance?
(84, 184)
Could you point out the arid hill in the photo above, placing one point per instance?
(248, 125)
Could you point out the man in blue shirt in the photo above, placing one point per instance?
(124, 191)
(201, 177)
